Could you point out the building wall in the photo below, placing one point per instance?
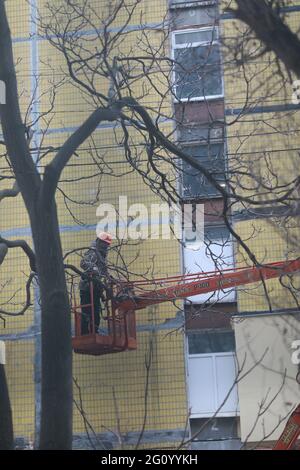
(268, 390)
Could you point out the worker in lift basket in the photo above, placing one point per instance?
(94, 266)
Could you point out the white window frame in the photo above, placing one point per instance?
(223, 295)
(190, 3)
(220, 413)
(196, 44)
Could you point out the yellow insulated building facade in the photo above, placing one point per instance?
(179, 378)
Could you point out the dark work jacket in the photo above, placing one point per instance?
(93, 263)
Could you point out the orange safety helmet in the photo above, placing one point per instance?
(104, 236)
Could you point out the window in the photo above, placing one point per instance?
(215, 434)
(190, 3)
(211, 342)
(197, 71)
(190, 13)
(212, 371)
(217, 234)
(215, 253)
(194, 183)
(212, 384)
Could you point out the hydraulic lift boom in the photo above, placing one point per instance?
(290, 432)
(188, 285)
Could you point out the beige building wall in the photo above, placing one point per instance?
(267, 385)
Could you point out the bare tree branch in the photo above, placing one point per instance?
(13, 192)
(54, 169)
(25, 247)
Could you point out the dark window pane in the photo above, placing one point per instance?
(213, 159)
(211, 342)
(216, 428)
(206, 15)
(199, 72)
(215, 434)
(219, 234)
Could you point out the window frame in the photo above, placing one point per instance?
(221, 413)
(228, 295)
(191, 3)
(195, 44)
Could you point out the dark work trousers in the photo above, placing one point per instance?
(86, 312)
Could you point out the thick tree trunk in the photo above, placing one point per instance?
(56, 418)
(6, 424)
(268, 26)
